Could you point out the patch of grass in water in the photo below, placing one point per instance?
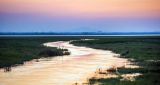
(148, 78)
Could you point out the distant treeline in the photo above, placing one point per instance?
(77, 33)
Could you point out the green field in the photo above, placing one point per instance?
(144, 50)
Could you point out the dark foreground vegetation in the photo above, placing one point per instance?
(144, 51)
(17, 50)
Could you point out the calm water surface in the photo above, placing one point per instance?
(61, 70)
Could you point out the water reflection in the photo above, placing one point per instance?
(61, 70)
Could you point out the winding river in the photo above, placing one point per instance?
(61, 70)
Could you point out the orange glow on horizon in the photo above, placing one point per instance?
(84, 8)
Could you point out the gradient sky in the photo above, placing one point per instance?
(79, 15)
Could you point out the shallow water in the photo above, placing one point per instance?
(61, 70)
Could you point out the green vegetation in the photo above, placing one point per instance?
(140, 48)
(17, 50)
(144, 50)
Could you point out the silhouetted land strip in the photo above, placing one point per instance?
(144, 50)
(79, 33)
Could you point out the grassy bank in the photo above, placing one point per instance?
(17, 50)
(145, 51)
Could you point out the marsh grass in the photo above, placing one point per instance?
(150, 77)
(144, 50)
(17, 50)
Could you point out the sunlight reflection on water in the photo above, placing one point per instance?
(60, 70)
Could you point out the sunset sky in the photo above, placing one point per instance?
(79, 15)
